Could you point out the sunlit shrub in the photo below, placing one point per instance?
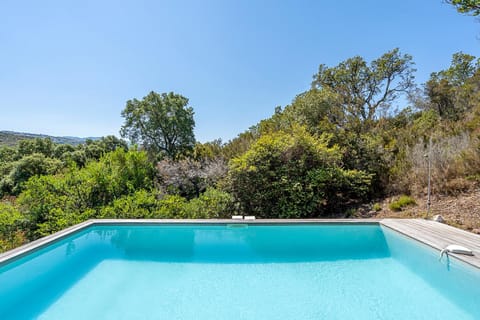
(401, 203)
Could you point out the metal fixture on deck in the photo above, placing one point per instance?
(454, 248)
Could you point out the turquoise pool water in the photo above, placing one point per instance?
(239, 272)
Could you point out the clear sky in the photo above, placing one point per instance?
(68, 67)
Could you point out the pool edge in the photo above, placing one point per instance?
(33, 246)
(17, 253)
(437, 236)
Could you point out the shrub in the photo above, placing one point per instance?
(143, 204)
(212, 203)
(11, 227)
(31, 165)
(140, 205)
(377, 207)
(171, 206)
(55, 202)
(189, 178)
(401, 203)
(293, 175)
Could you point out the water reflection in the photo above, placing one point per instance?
(219, 244)
(154, 243)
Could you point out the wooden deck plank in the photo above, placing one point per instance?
(438, 232)
(443, 232)
(438, 236)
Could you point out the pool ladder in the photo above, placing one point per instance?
(454, 248)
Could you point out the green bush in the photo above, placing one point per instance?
(377, 207)
(11, 227)
(140, 205)
(211, 204)
(293, 175)
(401, 203)
(20, 171)
(52, 203)
(143, 205)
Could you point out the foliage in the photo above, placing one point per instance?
(377, 207)
(450, 90)
(172, 206)
(240, 144)
(43, 157)
(162, 123)
(208, 151)
(335, 146)
(7, 154)
(364, 89)
(20, 171)
(471, 7)
(189, 178)
(53, 202)
(451, 158)
(317, 110)
(292, 174)
(141, 204)
(401, 203)
(213, 203)
(12, 222)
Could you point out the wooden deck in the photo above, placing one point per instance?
(438, 236)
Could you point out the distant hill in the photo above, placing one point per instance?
(11, 138)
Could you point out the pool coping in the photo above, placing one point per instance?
(438, 236)
(430, 233)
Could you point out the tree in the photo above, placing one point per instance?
(162, 123)
(54, 202)
(471, 7)
(11, 225)
(363, 89)
(190, 178)
(317, 110)
(462, 68)
(35, 164)
(37, 145)
(449, 91)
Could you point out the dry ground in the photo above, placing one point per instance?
(461, 211)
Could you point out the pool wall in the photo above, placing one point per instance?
(450, 276)
(31, 270)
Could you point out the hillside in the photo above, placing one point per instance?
(11, 138)
(461, 210)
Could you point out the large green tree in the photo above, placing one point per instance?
(162, 123)
(364, 89)
(450, 91)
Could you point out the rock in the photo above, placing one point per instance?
(438, 218)
(477, 231)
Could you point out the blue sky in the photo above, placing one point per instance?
(68, 67)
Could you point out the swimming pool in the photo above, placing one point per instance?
(237, 271)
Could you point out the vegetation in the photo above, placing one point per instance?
(162, 124)
(293, 175)
(339, 145)
(377, 207)
(401, 203)
(466, 6)
(11, 138)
